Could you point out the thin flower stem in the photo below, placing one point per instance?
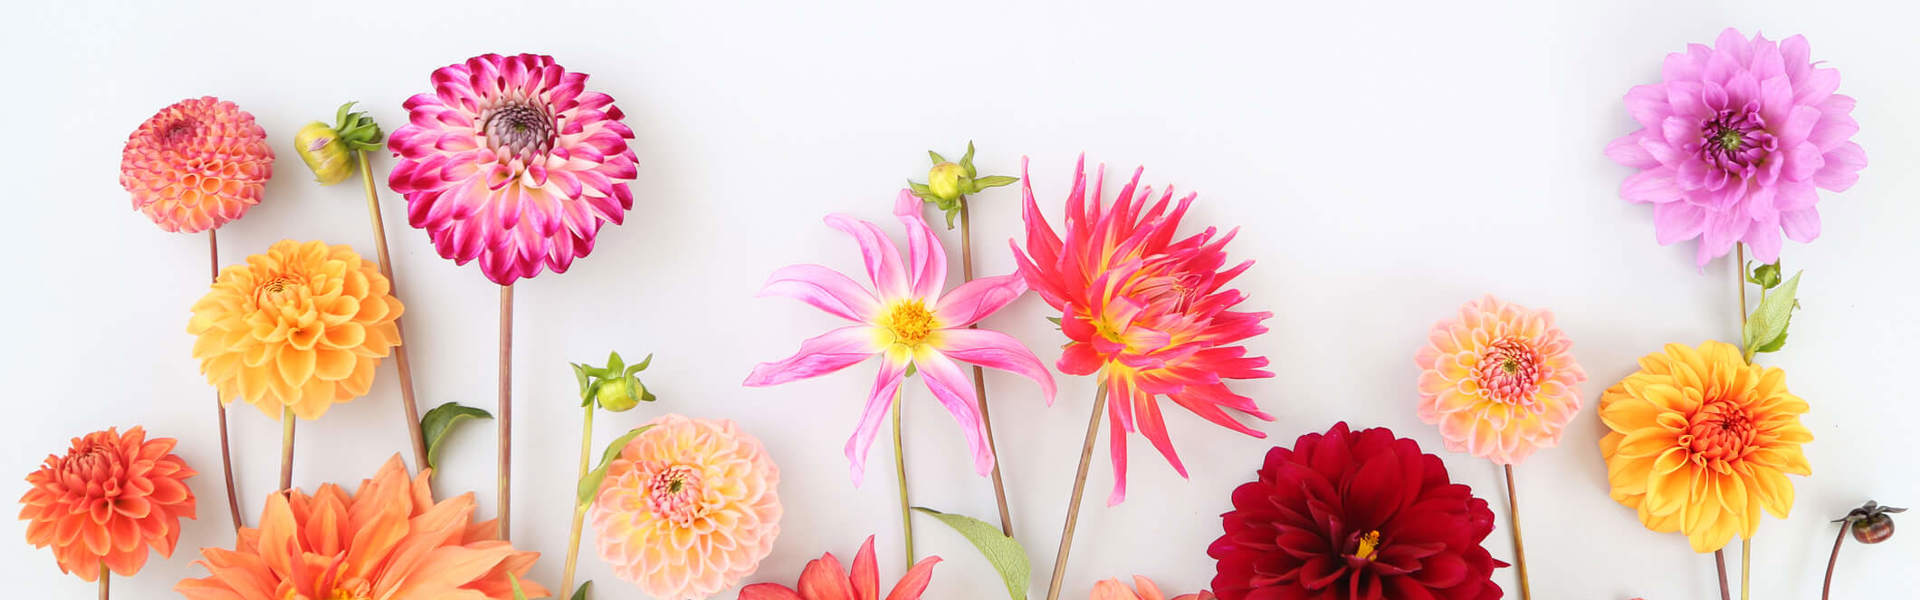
(980, 378)
(1720, 564)
(1746, 545)
(400, 362)
(1740, 279)
(286, 448)
(579, 509)
(104, 575)
(1519, 549)
(226, 452)
(1826, 586)
(900, 472)
(504, 491)
(1079, 490)
(1746, 566)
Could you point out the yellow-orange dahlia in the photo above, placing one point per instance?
(111, 498)
(300, 327)
(1701, 442)
(389, 539)
(197, 164)
(688, 508)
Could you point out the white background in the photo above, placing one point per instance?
(1385, 163)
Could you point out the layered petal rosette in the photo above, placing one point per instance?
(108, 501)
(1700, 442)
(1147, 313)
(908, 321)
(826, 579)
(1735, 142)
(1500, 380)
(513, 161)
(1358, 516)
(1143, 589)
(196, 165)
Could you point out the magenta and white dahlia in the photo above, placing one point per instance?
(1733, 142)
(512, 161)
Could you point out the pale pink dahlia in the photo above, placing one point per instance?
(1733, 142)
(688, 508)
(196, 165)
(512, 161)
(1500, 381)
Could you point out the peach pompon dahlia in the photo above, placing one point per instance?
(1146, 313)
(908, 319)
(825, 578)
(109, 500)
(196, 165)
(688, 507)
(513, 161)
(389, 539)
(301, 327)
(1701, 442)
(1500, 380)
(1143, 589)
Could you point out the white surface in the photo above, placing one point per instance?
(1386, 164)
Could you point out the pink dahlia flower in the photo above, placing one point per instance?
(511, 160)
(196, 165)
(907, 321)
(1500, 381)
(1733, 143)
(1148, 314)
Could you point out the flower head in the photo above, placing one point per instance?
(825, 579)
(301, 326)
(1733, 143)
(331, 151)
(1499, 381)
(1146, 313)
(512, 161)
(908, 321)
(196, 165)
(109, 500)
(1359, 515)
(1701, 441)
(388, 539)
(688, 508)
(1113, 589)
(1871, 523)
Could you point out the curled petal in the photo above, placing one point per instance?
(954, 391)
(978, 299)
(825, 289)
(826, 353)
(997, 350)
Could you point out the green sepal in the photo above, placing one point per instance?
(1004, 553)
(1766, 328)
(966, 161)
(638, 367)
(590, 484)
(357, 129)
(937, 158)
(581, 594)
(1054, 320)
(992, 181)
(1766, 276)
(437, 423)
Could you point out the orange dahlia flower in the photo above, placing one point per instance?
(110, 499)
(1701, 442)
(387, 540)
(300, 327)
(196, 165)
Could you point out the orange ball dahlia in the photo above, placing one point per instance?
(1500, 381)
(387, 540)
(688, 508)
(110, 499)
(300, 327)
(196, 165)
(1701, 442)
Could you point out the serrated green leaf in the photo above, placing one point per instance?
(1776, 344)
(590, 484)
(1004, 553)
(581, 594)
(993, 181)
(437, 423)
(1767, 326)
(518, 594)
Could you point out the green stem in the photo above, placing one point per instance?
(579, 509)
(900, 471)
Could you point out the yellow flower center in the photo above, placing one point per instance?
(1369, 546)
(275, 290)
(910, 322)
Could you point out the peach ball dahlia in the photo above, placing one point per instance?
(1500, 380)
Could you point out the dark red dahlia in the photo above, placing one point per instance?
(1359, 516)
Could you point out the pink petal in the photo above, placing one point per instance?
(996, 350)
(1841, 167)
(829, 352)
(883, 261)
(1763, 237)
(977, 299)
(1626, 151)
(1801, 225)
(885, 385)
(825, 289)
(1652, 185)
(954, 391)
(926, 258)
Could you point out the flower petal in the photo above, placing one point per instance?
(977, 299)
(926, 258)
(954, 391)
(825, 289)
(826, 353)
(996, 350)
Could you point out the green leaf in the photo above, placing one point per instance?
(1767, 326)
(1766, 276)
(1004, 553)
(1054, 320)
(993, 181)
(437, 423)
(518, 594)
(966, 162)
(581, 594)
(590, 484)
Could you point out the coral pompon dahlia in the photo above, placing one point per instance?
(513, 161)
(1354, 515)
(1500, 380)
(1146, 313)
(196, 165)
(908, 319)
(826, 579)
(688, 507)
(1701, 442)
(300, 327)
(1735, 142)
(112, 497)
(389, 539)
(1143, 589)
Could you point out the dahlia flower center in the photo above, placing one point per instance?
(1509, 371)
(674, 494)
(518, 127)
(276, 290)
(1720, 431)
(1735, 140)
(89, 463)
(1367, 545)
(910, 322)
(178, 132)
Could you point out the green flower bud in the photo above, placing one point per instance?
(947, 181)
(620, 395)
(319, 145)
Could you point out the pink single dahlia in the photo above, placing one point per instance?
(512, 161)
(196, 165)
(1733, 142)
(1500, 380)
